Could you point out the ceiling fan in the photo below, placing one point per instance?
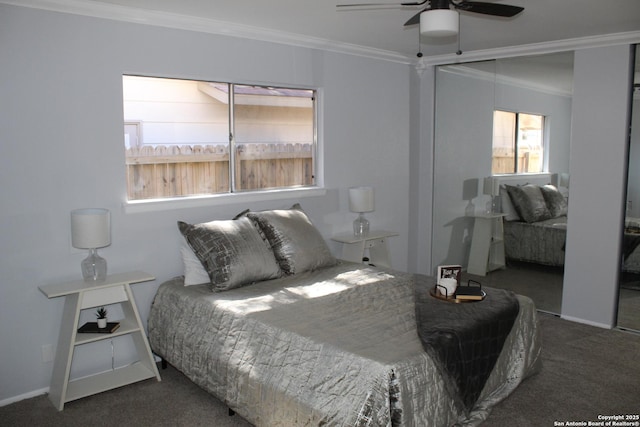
(440, 17)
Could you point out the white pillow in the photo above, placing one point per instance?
(194, 272)
(507, 205)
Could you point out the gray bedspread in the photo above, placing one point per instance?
(337, 347)
(543, 242)
(539, 242)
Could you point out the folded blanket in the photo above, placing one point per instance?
(465, 339)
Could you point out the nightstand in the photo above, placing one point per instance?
(80, 295)
(487, 244)
(355, 247)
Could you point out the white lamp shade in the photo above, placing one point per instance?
(439, 23)
(361, 199)
(491, 186)
(90, 228)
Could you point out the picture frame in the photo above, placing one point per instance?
(454, 271)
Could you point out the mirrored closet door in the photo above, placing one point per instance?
(629, 289)
(467, 198)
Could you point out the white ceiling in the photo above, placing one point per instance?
(545, 25)
(382, 27)
(376, 29)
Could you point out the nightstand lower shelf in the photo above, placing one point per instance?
(98, 383)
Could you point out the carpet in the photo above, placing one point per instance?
(586, 372)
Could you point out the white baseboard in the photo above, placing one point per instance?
(586, 322)
(24, 396)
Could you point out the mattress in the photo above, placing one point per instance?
(334, 347)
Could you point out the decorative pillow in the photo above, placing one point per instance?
(529, 202)
(232, 252)
(194, 272)
(506, 206)
(296, 242)
(556, 203)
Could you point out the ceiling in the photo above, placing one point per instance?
(381, 28)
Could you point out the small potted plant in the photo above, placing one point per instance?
(101, 314)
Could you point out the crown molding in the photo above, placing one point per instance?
(556, 46)
(130, 14)
(122, 13)
(465, 71)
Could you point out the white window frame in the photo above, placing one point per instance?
(545, 144)
(246, 196)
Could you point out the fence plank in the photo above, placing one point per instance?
(173, 171)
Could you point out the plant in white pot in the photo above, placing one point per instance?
(101, 314)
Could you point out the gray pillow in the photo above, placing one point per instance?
(296, 242)
(529, 202)
(556, 203)
(506, 205)
(232, 252)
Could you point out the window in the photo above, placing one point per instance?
(188, 138)
(518, 142)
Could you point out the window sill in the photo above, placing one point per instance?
(152, 205)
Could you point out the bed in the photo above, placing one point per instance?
(535, 222)
(327, 343)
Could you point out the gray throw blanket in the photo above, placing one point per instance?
(464, 339)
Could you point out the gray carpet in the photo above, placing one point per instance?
(586, 372)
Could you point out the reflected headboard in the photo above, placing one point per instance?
(529, 178)
(505, 204)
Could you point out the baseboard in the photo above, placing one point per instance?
(24, 396)
(586, 322)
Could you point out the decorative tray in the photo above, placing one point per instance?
(452, 298)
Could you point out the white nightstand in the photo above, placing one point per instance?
(354, 247)
(487, 244)
(80, 295)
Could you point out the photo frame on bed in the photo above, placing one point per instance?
(452, 271)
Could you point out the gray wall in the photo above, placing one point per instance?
(599, 141)
(62, 148)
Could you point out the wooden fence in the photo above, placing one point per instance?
(173, 171)
(530, 161)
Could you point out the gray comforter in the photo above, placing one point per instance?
(335, 347)
(543, 242)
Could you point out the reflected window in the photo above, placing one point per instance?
(518, 142)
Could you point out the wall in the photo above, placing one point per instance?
(61, 131)
(599, 145)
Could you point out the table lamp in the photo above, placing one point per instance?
(361, 200)
(492, 188)
(91, 229)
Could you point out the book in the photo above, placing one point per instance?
(453, 271)
(92, 328)
(470, 292)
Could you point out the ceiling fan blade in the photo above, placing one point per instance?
(418, 3)
(494, 9)
(367, 4)
(415, 19)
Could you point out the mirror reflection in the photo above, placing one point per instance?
(502, 135)
(629, 289)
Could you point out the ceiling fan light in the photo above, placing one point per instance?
(439, 23)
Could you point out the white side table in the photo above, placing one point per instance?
(487, 244)
(354, 247)
(80, 295)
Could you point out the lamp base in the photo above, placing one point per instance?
(360, 226)
(94, 267)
